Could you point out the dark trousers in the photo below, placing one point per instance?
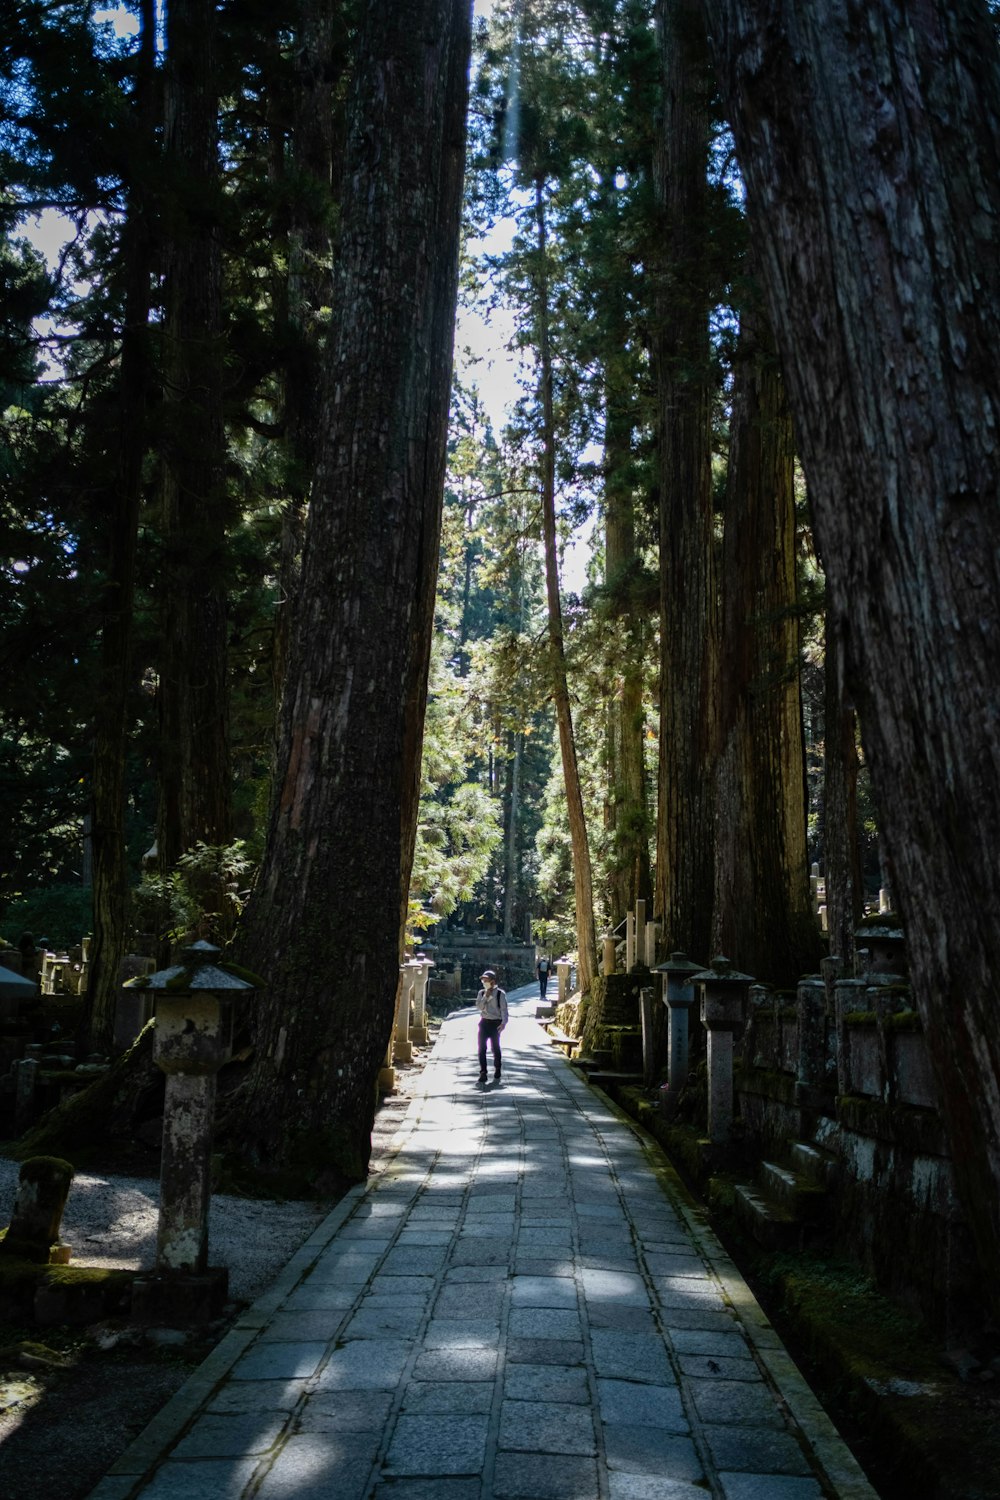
(489, 1031)
(543, 980)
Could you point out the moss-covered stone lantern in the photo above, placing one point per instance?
(194, 1006)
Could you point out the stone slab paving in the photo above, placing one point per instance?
(524, 1305)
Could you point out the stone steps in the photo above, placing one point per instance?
(787, 1206)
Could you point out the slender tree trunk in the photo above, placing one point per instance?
(869, 138)
(110, 870)
(511, 861)
(685, 829)
(582, 876)
(194, 716)
(319, 60)
(841, 846)
(763, 910)
(628, 809)
(324, 921)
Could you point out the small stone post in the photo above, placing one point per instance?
(678, 996)
(629, 941)
(43, 1187)
(651, 932)
(402, 1048)
(646, 1016)
(563, 968)
(193, 1038)
(609, 953)
(723, 992)
(421, 976)
(25, 1078)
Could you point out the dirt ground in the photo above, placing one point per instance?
(72, 1400)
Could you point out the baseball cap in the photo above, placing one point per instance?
(488, 974)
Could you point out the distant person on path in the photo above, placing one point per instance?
(492, 1005)
(542, 969)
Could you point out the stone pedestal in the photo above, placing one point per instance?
(678, 996)
(723, 992)
(563, 970)
(608, 965)
(180, 1297)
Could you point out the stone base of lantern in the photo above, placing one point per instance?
(386, 1080)
(180, 1299)
(402, 1052)
(419, 1036)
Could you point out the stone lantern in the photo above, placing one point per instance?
(677, 995)
(723, 996)
(194, 1004)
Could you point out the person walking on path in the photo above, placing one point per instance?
(493, 1016)
(542, 968)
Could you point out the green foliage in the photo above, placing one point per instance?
(61, 913)
(200, 898)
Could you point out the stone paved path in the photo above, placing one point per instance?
(525, 1304)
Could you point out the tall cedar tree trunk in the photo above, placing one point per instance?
(324, 922)
(110, 870)
(318, 61)
(511, 859)
(583, 888)
(628, 808)
(841, 843)
(194, 737)
(869, 137)
(763, 917)
(685, 828)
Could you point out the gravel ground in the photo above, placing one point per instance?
(65, 1422)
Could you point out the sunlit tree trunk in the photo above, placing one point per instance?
(628, 810)
(869, 139)
(324, 922)
(583, 887)
(685, 828)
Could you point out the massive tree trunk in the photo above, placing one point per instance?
(323, 925)
(110, 870)
(583, 884)
(685, 828)
(763, 917)
(193, 692)
(869, 137)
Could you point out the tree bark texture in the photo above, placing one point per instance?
(110, 872)
(323, 925)
(763, 918)
(583, 883)
(685, 829)
(869, 137)
(194, 718)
